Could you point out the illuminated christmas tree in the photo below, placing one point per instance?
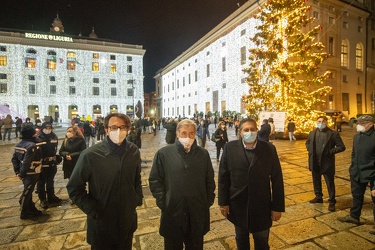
(284, 64)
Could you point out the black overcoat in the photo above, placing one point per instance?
(251, 192)
(114, 192)
(183, 184)
(333, 145)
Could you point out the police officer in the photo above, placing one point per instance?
(27, 165)
(45, 186)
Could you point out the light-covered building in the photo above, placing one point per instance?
(208, 76)
(59, 75)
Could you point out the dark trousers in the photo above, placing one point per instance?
(18, 130)
(358, 192)
(218, 149)
(191, 243)
(338, 124)
(7, 131)
(330, 181)
(243, 239)
(45, 184)
(126, 244)
(26, 199)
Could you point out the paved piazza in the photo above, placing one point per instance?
(302, 226)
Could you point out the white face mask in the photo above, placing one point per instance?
(186, 142)
(69, 135)
(117, 136)
(250, 137)
(47, 131)
(361, 128)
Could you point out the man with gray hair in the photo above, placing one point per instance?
(362, 168)
(182, 182)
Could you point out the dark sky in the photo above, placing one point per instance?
(165, 28)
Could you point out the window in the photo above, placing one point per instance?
(316, 14)
(243, 32)
(113, 81)
(243, 55)
(130, 92)
(3, 61)
(95, 80)
(31, 51)
(330, 45)
(208, 53)
(129, 69)
(52, 78)
(113, 67)
(71, 65)
(129, 58)
(331, 20)
(95, 90)
(130, 81)
(222, 45)
(196, 75)
(51, 63)
(345, 102)
(71, 54)
(345, 25)
(95, 66)
(72, 90)
(208, 70)
(31, 78)
(112, 57)
(71, 79)
(52, 89)
(3, 76)
(172, 85)
(189, 78)
(344, 54)
(32, 89)
(359, 29)
(95, 55)
(358, 57)
(316, 2)
(224, 85)
(223, 64)
(113, 92)
(3, 88)
(3, 48)
(344, 78)
(51, 53)
(183, 81)
(359, 104)
(178, 83)
(30, 63)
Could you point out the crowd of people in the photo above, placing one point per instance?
(250, 180)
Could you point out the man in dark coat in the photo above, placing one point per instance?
(251, 188)
(362, 169)
(265, 131)
(182, 181)
(322, 144)
(112, 170)
(170, 126)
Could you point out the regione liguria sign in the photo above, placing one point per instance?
(49, 37)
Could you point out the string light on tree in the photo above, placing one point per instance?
(284, 64)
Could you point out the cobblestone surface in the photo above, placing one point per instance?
(302, 226)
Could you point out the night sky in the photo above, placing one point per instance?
(165, 28)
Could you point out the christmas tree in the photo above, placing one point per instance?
(283, 73)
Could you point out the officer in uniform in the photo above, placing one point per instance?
(45, 186)
(27, 164)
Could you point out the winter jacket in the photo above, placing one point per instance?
(170, 137)
(251, 190)
(72, 147)
(49, 149)
(27, 158)
(114, 192)
(333, 145)
(183, 186)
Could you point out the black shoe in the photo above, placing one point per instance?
(54, 199)
(316, 200)
(331, 208)
(30, 215)
(348, 219)
(44, 204)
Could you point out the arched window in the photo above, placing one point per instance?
(344, 54)
(358, 57)
(71, 54)
(51, 53)
(31, 51)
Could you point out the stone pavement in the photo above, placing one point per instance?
(302, 226)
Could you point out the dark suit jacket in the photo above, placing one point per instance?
(333, 145)
(247, 189)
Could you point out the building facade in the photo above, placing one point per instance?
(54, 74)
(150, 105)
(208, 77)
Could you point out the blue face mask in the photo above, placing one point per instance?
(250, 137)
(320, 126)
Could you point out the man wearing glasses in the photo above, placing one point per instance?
(112, 171)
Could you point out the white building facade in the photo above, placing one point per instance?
(208, 77)
(53, 74)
